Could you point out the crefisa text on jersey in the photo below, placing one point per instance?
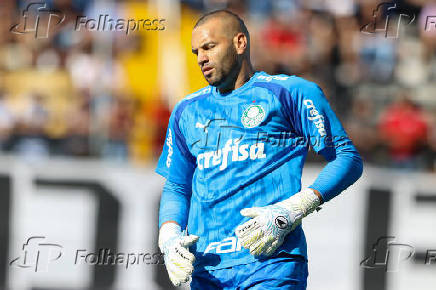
(169, 142)
(239, 153)
(315, 117)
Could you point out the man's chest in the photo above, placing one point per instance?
(245, 121)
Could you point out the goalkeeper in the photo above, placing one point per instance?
(232, 206)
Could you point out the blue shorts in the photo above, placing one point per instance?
(284, 271)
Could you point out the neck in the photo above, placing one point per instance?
(245, 73)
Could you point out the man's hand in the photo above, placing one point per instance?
(266, 231)
(269, 225)
(175, 247)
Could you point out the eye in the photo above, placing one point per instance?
(208, 46)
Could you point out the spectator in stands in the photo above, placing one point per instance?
(76, 142)
(361, 127)
(403, 129)
(31, 139)
(118, 123)
(283, 44)
(6, 121)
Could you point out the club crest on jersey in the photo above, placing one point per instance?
(253, 116)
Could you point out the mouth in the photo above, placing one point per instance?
(207, 70)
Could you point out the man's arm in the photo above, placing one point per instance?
(313, 119)
(173, 216)
(342, 170)
(177, 165)
(174, 204)
(317, 122)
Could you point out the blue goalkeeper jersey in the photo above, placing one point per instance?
(243, 149)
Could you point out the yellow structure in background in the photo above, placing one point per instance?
(142, 66)
(195, 78)
(144, 72)
(158, 66)
(54, 87)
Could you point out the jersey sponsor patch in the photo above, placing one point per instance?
(315, 117)
(269, 78)
(170, 147)
(239, 152)
(228, 245)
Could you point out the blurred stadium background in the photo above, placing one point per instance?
(83, 116)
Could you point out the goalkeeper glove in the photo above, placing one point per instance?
(175, 247)
(269, 225)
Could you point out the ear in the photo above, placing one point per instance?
(240, 42)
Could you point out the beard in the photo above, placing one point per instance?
(227, 74)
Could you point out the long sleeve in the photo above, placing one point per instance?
(339, 173)
(174, 203)
(316, 121)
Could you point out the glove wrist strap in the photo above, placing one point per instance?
(302, 203)
(167, 231)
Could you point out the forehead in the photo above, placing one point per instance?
(211, 30)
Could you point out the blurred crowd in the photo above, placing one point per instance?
(377, 68)
(66, 94)
(73, 94)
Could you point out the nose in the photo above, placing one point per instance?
(202, 58)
